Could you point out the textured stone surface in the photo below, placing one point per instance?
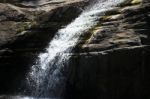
(123, 27)
(26, 31)
(113, 74)
(111, 60)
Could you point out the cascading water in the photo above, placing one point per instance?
(47, 78)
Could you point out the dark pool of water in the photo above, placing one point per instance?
(22, 97)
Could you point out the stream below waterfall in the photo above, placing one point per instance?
(47, 78)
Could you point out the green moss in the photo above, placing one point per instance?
(106, 18)
(23, 26)
(94, 28)
(92, 32)
(136, 1)
(130, 3)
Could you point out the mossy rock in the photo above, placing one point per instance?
(136, 1)
(130, 2)
(23, 26)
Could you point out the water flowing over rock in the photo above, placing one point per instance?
(47, 75)
(103, 52)
(24, 32)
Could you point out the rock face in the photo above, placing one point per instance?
(113, 74)
(111, 61)
(24, 32)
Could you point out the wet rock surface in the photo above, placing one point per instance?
(24, 33)
(113, 74)
(111, 61)
(122, 27)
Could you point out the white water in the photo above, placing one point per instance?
(48, 77)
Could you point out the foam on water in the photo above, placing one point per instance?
(47, 77)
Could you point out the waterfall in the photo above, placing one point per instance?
(47, 77)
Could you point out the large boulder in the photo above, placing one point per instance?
(112, 74)
(112, 60)
(24, 32)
